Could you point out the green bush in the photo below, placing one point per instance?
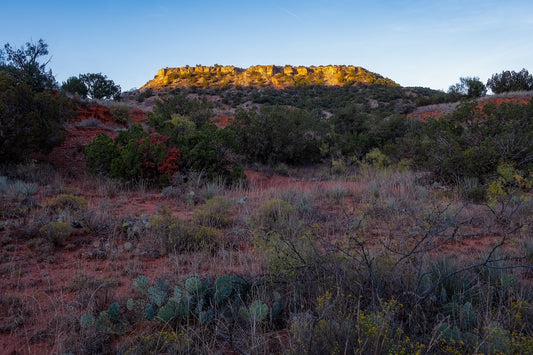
(38, 124)
(472, 142)
(99, 154)
(280, 135)
(133, 156)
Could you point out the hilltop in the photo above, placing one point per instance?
(218, 76)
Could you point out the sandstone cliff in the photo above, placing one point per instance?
(219, 76)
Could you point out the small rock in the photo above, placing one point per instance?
(152, 254)
(76, 224)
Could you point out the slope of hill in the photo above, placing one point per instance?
(265, 76)
(438, 110)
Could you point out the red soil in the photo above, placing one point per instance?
(99, 112)
(222, 121)
(422, 116)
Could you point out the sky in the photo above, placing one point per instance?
(413, 42)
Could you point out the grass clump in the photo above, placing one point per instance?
(275, 216)
(338, 194)
(212, 189)
(160, 342)
(17, 188)
(301, 200)
(176, 235)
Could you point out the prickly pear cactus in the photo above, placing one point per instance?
(167, 312)
(87, 320)
(158, 292)
(240, 285)
(149, 312)
(195, 286)
(136, 305)
(223, 289)
(257, 312)
(114, 312)
(183, 309)
(141, 283)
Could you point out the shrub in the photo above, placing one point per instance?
(340, 327)
(148, 158)
(68, 202)
(275, 216)
(99, 154)
(377, 159)
(472, 142)
(184, 237)
(74, 85)
(179, 236)
(145, 94)
(215, 213)
(338, 167)
(134, 155)
(56, 232)
(280, 135)
(120, 113)
(31, 114)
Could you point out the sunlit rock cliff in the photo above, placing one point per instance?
(219, 76)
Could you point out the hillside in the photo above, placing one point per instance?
(337, 221)
(265, 76)
(438, 110)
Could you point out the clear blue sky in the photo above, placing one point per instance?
(413, 42)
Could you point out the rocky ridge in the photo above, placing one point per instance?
(219, 76)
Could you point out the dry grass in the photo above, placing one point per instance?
(361, 230)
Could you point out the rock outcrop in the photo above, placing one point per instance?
(219, 76)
